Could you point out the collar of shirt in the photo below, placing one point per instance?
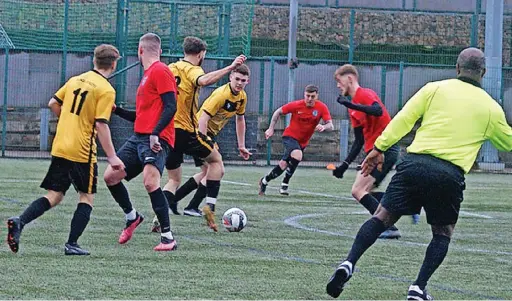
(470, 81)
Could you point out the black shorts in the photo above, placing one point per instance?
(425, 181)
(62, 173)
(192, 144)
(136, 153)
(390, 159)
(290, 144)
(198, 162)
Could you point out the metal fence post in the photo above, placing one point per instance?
(344, 132)
(262, 88)
(44, 128)
(4, 109)
(401, 86)
(226, 31)
(173, 41)
(351, 36)
(121, 38)
(270, 106)
(383, 74)
(64, 44)
(474, 30)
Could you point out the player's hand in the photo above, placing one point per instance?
(244, 153)
(340, 170)
(116, 163)
(342, 100)
(269, 133)
(238, 61)
(319, 128)
(374, 159)
(154, 143)
(114, 107)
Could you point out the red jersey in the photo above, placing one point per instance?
(157, 80)
(372, 125)
(304, 119)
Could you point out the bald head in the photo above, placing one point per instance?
(471, 63)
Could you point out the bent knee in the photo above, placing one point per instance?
(296, 154)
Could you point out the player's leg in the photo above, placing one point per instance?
(193, 182)
(173, 165)
(192, 208)
(113, 178)
(293, 163)
(214, 174)
(289, 145)
(56, 182)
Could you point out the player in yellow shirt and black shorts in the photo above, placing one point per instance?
(189, 78)
(83, 105)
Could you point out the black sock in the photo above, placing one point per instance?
(161, 209)
(35, 210)
(79, 222)
(365, 238)
(292, 165)
(170, 197)
(120, 195)
(197, 198)
(274, 173)
(436, 252)
(185, 189)
(212, 192)
(370, 203)
(378, 195)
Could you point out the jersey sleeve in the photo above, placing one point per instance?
(61, 94)
(243, 105)
(289, 107)
(164, 80)
(213, 103)
(357, 118)
(194, 74)
(104, 105)
(326, 115)
(500, 133)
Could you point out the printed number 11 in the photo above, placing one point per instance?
(81, 103)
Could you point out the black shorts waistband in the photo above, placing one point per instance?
(429, 159)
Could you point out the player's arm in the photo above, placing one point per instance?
(203, 122)
(103, 113)
(125, 114)
(501, 134)
(404, 121)
(214, 76)
(240, 136)
(169, 109)
(55, 105)
(105, 137)
(374, 109)
(352, 155)
(326, 117)
(275, 117)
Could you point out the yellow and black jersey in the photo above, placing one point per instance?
(222, 105)
(188, 94)
(84, 99)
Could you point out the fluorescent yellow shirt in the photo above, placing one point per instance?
(457, 117)
(84, 99)
(188, 94)
(221, 106)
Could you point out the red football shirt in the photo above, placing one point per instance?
(158, 79)
(372, 125)
(304, 119)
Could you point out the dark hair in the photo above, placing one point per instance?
(346, 69)
(311, 88)
(193, 45)
(242, 69)
(105, 55)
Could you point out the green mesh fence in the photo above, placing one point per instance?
(5, 41)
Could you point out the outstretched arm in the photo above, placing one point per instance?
(374, 109)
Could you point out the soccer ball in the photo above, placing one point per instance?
(234, 220)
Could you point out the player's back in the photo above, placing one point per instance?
(187, 76)
(84, 99)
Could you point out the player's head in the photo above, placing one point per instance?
(105, 57)
(194, 48)
(310, 95)
(347, 79)
(471, 63)
(239, 78)
(150, 45)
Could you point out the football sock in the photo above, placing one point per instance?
(370, 203)
(292, 166)
(120, 195)
(378, 195)
(434, 256)
(170, 197)
(35, 210)
(212, 192)
(197, 198)
(161, 209)
(79, 222)
(365, 238)
(185, 189)
(274, 173)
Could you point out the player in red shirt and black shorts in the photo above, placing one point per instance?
(369, 118)
(147, 149)
(305, 120)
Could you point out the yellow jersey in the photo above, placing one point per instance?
(187, 101)
(84, 99)
(457, 117)
(221, 105)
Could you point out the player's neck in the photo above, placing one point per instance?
(354, 89)
(147, 62)
(191, 59)
(104, 73)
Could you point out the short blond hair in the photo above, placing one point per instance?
(105, 55)
(346, 69)
(151, 42)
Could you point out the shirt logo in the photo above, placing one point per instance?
(315, 113)
(299, 112)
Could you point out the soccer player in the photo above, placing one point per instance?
(305, 120)
(431, 175)
(369, 118)
(146, 150)
(83, 105)
(189, 78)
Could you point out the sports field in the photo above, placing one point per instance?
(288, 250)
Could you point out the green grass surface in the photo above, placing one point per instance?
(287, 251)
